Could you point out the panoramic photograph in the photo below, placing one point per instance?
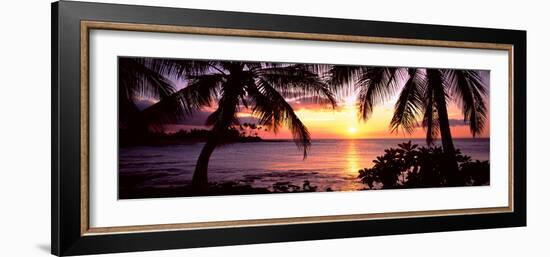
(189, 127)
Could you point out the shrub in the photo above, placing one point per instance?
(410, 166)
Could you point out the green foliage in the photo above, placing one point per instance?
(410, 166)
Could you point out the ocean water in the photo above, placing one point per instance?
(330, 163)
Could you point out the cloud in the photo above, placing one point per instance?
(457, 122)
(310, 103)
(143, 103)
(199, 118)
(195, 119)
(452, 123)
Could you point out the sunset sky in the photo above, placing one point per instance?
(343, 122)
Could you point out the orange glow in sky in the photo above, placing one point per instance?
(344, 122)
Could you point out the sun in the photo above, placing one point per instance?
(352, 130)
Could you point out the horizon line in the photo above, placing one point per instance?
(415, 138)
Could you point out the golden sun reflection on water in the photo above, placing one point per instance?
(352, 158)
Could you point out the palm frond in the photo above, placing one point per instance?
(375, 86)
(200, 92)
(342, 78)
(136, 79)
(273, 110)
(469, 90)
(319, 69)
(180, 68)
(298, 81)
(409, 104)
(252, 66)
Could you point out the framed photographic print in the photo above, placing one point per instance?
(177, 128)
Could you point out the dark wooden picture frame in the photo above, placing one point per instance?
(71, 22)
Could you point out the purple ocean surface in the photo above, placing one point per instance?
(330, 163)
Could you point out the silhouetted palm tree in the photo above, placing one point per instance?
(234, 85)
(135, 81)
(424, 92)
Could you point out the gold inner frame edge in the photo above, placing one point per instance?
(86, 26)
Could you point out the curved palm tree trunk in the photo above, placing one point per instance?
(200, 176)
(451, 169)
(446, 138)
(221, 120)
